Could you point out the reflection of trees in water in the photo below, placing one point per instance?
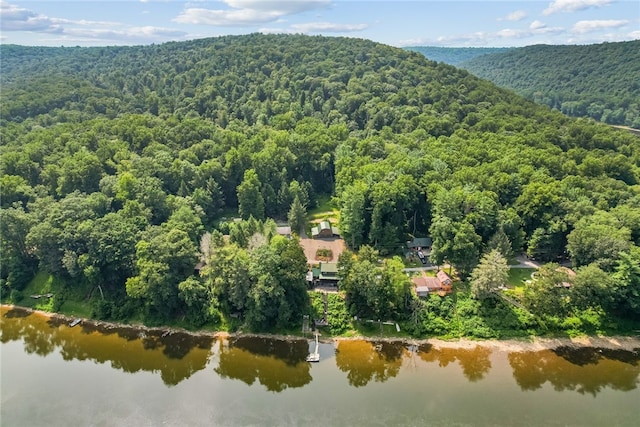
(175, 356)
(365, 361)
(585, 370)
(475, 362)
(276, 364)
(17, 324)
(292, 352)
(590, 355)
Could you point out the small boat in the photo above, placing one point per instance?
(75, 322)
(315, 356)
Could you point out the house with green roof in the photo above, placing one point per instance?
(324, 230)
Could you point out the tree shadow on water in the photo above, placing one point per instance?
(366, 361)
(584, 370)
(276, 364)
(475, 362)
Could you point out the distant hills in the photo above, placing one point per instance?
(600, 81)
(455, 55)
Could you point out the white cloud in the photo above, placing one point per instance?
(573, 5)
(128, 34)
(15, 18)
(474, 39)
(634, 35)
(537, 25)
(482, 38)
(82, 22)
(286, 7)
(582, 27)
(518, 15)
(248, 12)
(328, 27)
(229, 18)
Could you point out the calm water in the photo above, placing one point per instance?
(54, 375)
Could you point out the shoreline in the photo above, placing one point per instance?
(617, 342)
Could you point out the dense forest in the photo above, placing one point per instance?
(122, 166)
(601, 81)
(454, 55)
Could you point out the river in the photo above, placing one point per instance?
(100, 375)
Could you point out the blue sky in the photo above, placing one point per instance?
(398, 23)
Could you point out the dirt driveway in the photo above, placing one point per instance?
(311, 246)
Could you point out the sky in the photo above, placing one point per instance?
(470, 23)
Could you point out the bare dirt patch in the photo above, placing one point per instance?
(311, 247)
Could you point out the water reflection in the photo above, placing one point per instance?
(475, 362)
(280, 364)
(585, 370)
(364, 361)
(276, 364)
(175, 356)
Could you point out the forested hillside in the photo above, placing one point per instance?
(454, 55)
(601, 81)
(122, 165)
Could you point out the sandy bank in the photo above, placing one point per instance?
(628, 343)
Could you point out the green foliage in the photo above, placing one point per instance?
(265, 285)
(337, 314)
(598, 238)
(597, 81)
(627, 282)
(547, 295)
(500, 242)
(250, 200)
(113, 169)
(489, 276)
(16, 296)
(297, 216)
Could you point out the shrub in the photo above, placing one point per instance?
(324, 254)
(16, 296)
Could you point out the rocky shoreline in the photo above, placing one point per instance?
(627, 343)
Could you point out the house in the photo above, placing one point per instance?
(444, 278)
(570, 274)
(420, 244)
(284, 231)
(424, 285)
(325, 275)
(324, 230)
(328, 274)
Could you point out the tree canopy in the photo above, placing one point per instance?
(598, 81)
(117, 160)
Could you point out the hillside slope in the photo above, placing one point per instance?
(600, 81)
(115, 160)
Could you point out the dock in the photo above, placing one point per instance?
(315, 356)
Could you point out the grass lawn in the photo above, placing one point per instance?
(66, 299)
(42, 283)
(412, 263)
(325, 209)
(76, 308)
(517, 276)
(372, 330)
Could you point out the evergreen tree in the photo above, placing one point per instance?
(297, 216)
(501, 242)
(489, 275)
